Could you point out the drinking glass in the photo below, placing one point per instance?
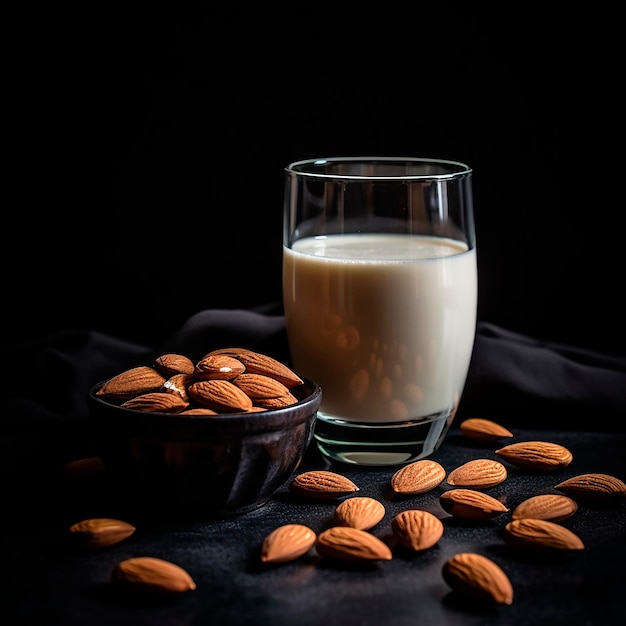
(380, 299)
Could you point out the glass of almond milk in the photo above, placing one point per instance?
(380, 299)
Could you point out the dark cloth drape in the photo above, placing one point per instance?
(513, 378)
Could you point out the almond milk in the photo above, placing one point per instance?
(384, 323)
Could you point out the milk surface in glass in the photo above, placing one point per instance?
(384, 323)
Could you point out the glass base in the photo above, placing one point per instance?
(380, 444)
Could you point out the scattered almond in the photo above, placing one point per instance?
(471, 504)
(345, 543)
(286, 543)
(359, 512)
(548, 506)
(478, 474)
(418, 477)
(322, 485)
(540, 535)
(536, 455)
(475, 576)
(481, 429)
(416, 529)
(149, 574)
(593, 487)
(101, 532)
(82, 468)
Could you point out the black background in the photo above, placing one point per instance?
(146, 145)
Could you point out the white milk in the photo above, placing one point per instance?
(385, 324)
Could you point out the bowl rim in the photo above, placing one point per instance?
(259, 418)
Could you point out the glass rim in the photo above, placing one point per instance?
(457, 168)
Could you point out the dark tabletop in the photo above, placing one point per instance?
(536, 389)
(56, 583)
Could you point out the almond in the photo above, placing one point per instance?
(218, 366)
(548, 506)
(220, 395)
(131, 383)
(260, 386)
(471, 504)
(536, 455)
(257, 363)
(178, 384)
(171, 364)
(276, 403)
(540, 535)
(156, 402)
(287, 543)
(359, 512)
(152, 575)
(232, 351)
(100, 532)
(481, 429)
(477, 577)
(478, 474)
(87, 467)
(199, 410)
(593, 487)
(416, 529)
(418, 477)
(322, 484)
(351, 544)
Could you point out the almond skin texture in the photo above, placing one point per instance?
(199, 410)
(260, 386)
(471, 504)
(220, 395)
(157, 402)
(218, 367)
(152, 575)
(536, 455)
(359, 512)
(322, 485)
(548, 506)
(593, 488)
(540, 535)
(275, 403)
(131, 383)
(478, 474)
(287, 543)
(101, 532)
(344, 543)
(177, 384)
(171, 364)
(480, 429)
(479, 578)
(418, 477)
(257, 363)
(416, 529)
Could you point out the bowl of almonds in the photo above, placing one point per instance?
(213, 437)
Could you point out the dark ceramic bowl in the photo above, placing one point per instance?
(207, 465)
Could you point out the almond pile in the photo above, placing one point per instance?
(355, 531)
(228, 380)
